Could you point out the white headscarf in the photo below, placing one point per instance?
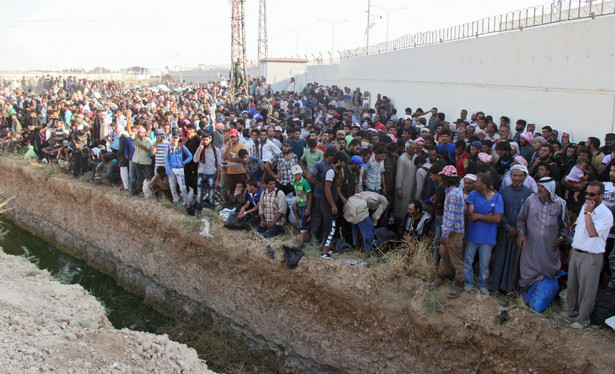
(520, 167)
(570, 136)
(549, 184)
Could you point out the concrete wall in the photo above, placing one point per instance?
(203, 76)
(324, 74)
(278, 74)
(554, 75)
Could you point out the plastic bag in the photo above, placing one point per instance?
(30, 152)
(292, 255)
(542, 293)
(226, 213)
(234, 223)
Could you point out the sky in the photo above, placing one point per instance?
(63, 34)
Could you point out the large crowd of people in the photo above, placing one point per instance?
(516, 200)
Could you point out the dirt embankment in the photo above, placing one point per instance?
(344, 318)
(46, 326)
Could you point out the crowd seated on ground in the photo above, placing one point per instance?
(507, 204)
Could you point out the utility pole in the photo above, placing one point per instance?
(297, 39)
(388, 11)
(239, 68)
(332, 23)
(262, 36)
(369, 25)
(369, 15)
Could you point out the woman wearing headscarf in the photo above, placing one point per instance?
(565, 138)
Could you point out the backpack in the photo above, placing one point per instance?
(182, 148)
(202, 157)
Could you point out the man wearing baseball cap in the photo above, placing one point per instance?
(235, 171)
(451, 240)
(177, 157)
(159, 149)
(303, 206)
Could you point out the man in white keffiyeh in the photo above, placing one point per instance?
(542, 226)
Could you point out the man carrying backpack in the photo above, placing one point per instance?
(271, 209)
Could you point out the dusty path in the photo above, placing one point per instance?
(47, 326)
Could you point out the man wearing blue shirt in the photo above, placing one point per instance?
(445, 143)
(485, 209)
(177, 157)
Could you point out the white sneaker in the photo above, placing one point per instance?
(578, 325)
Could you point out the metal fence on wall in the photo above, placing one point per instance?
(558, 11)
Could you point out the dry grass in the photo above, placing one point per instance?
(3, 203)
(87, 177)
(312, 248)
(289, 235)
(192, 224)
(432, 304)
(413, 258)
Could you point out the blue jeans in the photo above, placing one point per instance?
(366, 229)
(209, 180)
(484, 256)
(268, 233)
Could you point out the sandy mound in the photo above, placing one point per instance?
(46, 326)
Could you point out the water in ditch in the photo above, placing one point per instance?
(216, 344)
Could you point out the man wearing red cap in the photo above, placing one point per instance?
(451, 241)
(235, 172)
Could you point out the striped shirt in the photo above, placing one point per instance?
(161, 153)
(452, 220)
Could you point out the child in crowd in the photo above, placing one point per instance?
(577, 175)
(302, 207)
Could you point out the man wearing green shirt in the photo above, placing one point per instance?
(142, 158)
(302, 207)
(311, 156)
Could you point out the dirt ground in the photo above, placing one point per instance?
(340, 316)
(47, 326)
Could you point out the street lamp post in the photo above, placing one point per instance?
(369, 25)
(332, 23)
(369, 9)
(297, 40)
(387, 10)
